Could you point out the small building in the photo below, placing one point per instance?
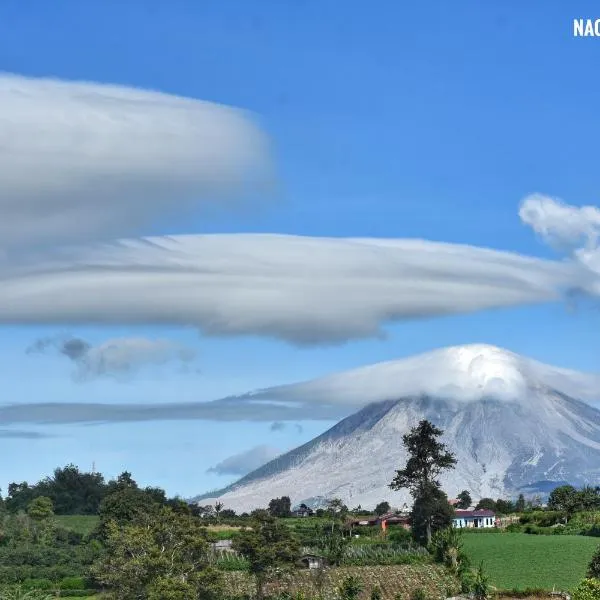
(474, 518)
(383, 521)
(222, 546)
(303, 511)
(312, 561)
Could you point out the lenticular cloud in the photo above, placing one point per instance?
(300, 289)
(83, 161)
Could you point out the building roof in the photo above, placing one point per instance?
(462, 514)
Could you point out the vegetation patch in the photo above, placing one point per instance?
(395, 582)
(520, 561)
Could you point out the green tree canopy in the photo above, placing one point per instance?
(427, 459)
(268, 545)
(40, 508)
(382, 508)
(162, 553)
(464, 500)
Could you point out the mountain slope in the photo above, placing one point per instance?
(507, 421)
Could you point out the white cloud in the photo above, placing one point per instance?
(300, 289)
(574, 229)
(85, 161)
(245, 462)
(118, 358)
(559, 224)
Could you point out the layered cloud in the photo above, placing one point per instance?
(300, 289)
(118, 358)
(245, 462)
(84, 161)
(242, 408)
(17, 434)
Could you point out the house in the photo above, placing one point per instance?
(222, 546)
(303, 511)
(383, 521)
(474, 518)
(312, 561)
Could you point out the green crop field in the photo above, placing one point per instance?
(79, 523)
(518, 560)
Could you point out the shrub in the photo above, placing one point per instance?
(594, 566)
(418, 594)
(588, 589)
(376, 593)
(351, 588)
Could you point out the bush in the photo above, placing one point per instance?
(594, 566)
(418, 594)
(73, 583)
(351, 588)
(588, 589)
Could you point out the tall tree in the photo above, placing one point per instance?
(564, 498)
(382, 508)
(486, 504)
(428, 458)
(268, 546)
(520, 504)
(280, 507)
(464, 500)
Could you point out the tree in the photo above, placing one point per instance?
(163, 555)
(431, 513)
(520, 504)
(217, 509)
(428, 458)
(382, 508)
(504, 507)
(280, 507)
(464, 500)
(267, 546)
(564, 498)
(594, 566)
(486, 504)
(40, 508)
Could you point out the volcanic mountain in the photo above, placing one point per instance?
(513, 424)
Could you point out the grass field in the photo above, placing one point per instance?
(518, 560)
(79, 523)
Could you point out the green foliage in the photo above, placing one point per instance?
(594, 566)
(486, 504)
(588, 589)
(280, 507)
(504, 507)
(376, 593)
(351, 588)
(418, 594)
(333, 544)
(40, 508)
(141, 556)
(430, 513)
(446, 547)
(19, 593)
(481, 587)
(382, 508)
(520, 504)
(428, 458)
(268, 546)
(464, 500)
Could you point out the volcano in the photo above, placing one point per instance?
(513, 423)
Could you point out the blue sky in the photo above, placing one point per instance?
(432, 120)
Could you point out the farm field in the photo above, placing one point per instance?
(79, 523)
(519, 560)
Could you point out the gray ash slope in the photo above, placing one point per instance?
(515, 433)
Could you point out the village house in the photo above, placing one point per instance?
(312, 561)
(383, 521)
(474, 518)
